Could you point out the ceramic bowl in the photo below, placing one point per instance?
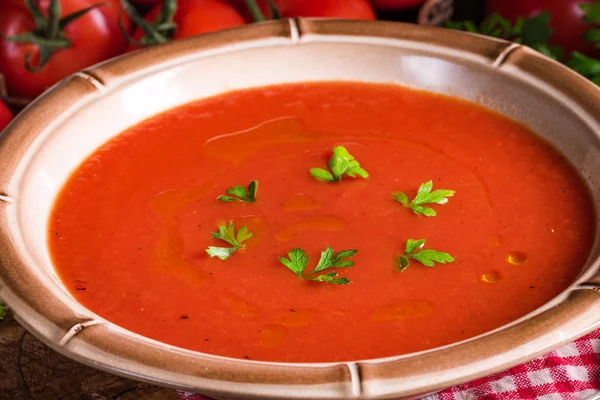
(59, 130)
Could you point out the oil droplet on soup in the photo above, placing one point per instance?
(242, 308)
(496, 241)
(317, 223)
(410, 309)
(296, 318)
(517, 257)
(273, 335)
(492, 276)
(301, 202)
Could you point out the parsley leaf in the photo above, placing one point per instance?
(228, 234)
(2, 312)
(586, 66)
(340, 164)
(424, 196)
(239, 193)
(426, 257)
(331, 278)
(591, 12)
(534, 31)
(298, 260)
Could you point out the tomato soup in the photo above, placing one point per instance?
(130, 230)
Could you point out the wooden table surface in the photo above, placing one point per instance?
(29, 370)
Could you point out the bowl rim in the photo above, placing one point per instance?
(101, 344)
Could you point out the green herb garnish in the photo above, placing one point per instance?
(426, 257)
(424, 196)
(588, 66)
(228, 234)
(298, 260)
(2, 312)
(533, 31)
(340, 164)
(240, 193)
(591, 14)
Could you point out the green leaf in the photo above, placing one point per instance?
(553, 52)
(341, 164)
(252, 189)
(498, 26)
(241, 194)
(426, 257)
(424, 196)
(401, 262)
(401, 198)
(326, 260)
(221, 252)
(591, 12)
(430, 257)
(331, 278)
(456, 25)
(532, 31)
(238, 191)
(592, 35)
(426, 211)
(586, 66)
(331, 260)
(228, 234)
(412, 245)
(343, 264)
(2, 312)
(298, 260)
(243, 235)
(344, 254)
(536, 29)
(321, 174)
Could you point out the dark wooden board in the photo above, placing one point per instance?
(29, 370)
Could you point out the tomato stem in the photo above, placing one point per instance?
(255, 11)
(167, 11)
(36, 13)
(157, 32)
(274, 9)
(48, 34)
(52, 31)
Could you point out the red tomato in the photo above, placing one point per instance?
(113, 8)
(352, 9)
(387, 5)
(194, 17)
(239, 4)
(94, 37)
(146, 2)
(5, 115)
(565, 19)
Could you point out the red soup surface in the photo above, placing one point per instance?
(129, 231)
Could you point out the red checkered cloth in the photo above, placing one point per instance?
(571, 372)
